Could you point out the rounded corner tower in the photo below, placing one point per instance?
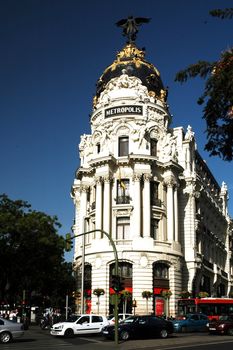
(126, 186)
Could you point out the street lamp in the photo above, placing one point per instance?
(116, 269)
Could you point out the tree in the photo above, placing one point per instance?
(217, 97)
(98, 292)
(126, 296)
(32, 254)
(146, 294)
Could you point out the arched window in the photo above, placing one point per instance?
(160, 276)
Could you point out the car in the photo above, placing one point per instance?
(191, 322)
(10, 330)
(79, 324)
(121, 317)
(224, 325)
(140, 327)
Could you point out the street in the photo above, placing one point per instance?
(37, 339)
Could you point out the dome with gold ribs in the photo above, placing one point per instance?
(131, 61)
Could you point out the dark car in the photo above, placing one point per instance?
(224, 325)
(191, 322)
(140, 327)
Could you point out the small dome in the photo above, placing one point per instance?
(130, 60)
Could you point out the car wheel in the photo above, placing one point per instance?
(163, 333)
(69, 333)
(5, 337)
(230, 331)
(124, 335)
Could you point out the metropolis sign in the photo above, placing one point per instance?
(123, 110)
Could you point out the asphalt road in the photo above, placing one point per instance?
(36, 339)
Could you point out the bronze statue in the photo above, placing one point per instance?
(130, 26)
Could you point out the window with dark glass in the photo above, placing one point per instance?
(154, 228)
(154, 193)
(123, 146)
(122, 229)
(98, 147)
(123, 191)
(153, 147)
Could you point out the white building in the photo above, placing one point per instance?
(146, 185)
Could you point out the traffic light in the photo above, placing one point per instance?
(117, 283)
(68, 242)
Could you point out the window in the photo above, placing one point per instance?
(123, 191)
(97, 319)
(153, 147)
(98, 147)
(123, 146)
(122, 229)
(154, 229)
(161, 270)
(84, 319)
(154, 193)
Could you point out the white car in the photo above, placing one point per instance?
(80, 324)
(121, 317)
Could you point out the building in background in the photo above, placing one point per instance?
(146, 185)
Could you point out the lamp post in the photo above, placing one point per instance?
(116, 269)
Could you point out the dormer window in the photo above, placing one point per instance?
(123, 149)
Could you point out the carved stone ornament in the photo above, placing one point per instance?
(147, 177)
(137, 177)
(189, 136)
(168, 148)
(84, 188)
(123, 87)
(122, 212)
(170, 181)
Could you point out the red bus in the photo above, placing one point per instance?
(212, 307)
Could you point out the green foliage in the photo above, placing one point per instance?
(68, 242)
(223, 14)
(217, 97)
(31, 248)
(146, 294)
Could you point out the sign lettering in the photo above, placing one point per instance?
(123, 110)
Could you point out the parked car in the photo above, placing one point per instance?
(140, 327)
(10, 330)
(121, 317)
(191, 322)
(224, 325)
(83, 324)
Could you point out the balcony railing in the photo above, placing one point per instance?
(123, 200)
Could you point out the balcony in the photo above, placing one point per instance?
(123, 200)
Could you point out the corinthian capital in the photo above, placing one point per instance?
(170, 181)
(137, 177)
(147, 177)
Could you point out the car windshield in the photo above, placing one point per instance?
(130, 319)
(72, 318)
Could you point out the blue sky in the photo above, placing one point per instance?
(52, 54)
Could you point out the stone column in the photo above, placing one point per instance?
(98, 209)
(146, 206)
(176, 214)
(137, 206)
(83, 206)
(107, 204)
(170, 181)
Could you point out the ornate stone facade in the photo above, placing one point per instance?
(146, 185)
